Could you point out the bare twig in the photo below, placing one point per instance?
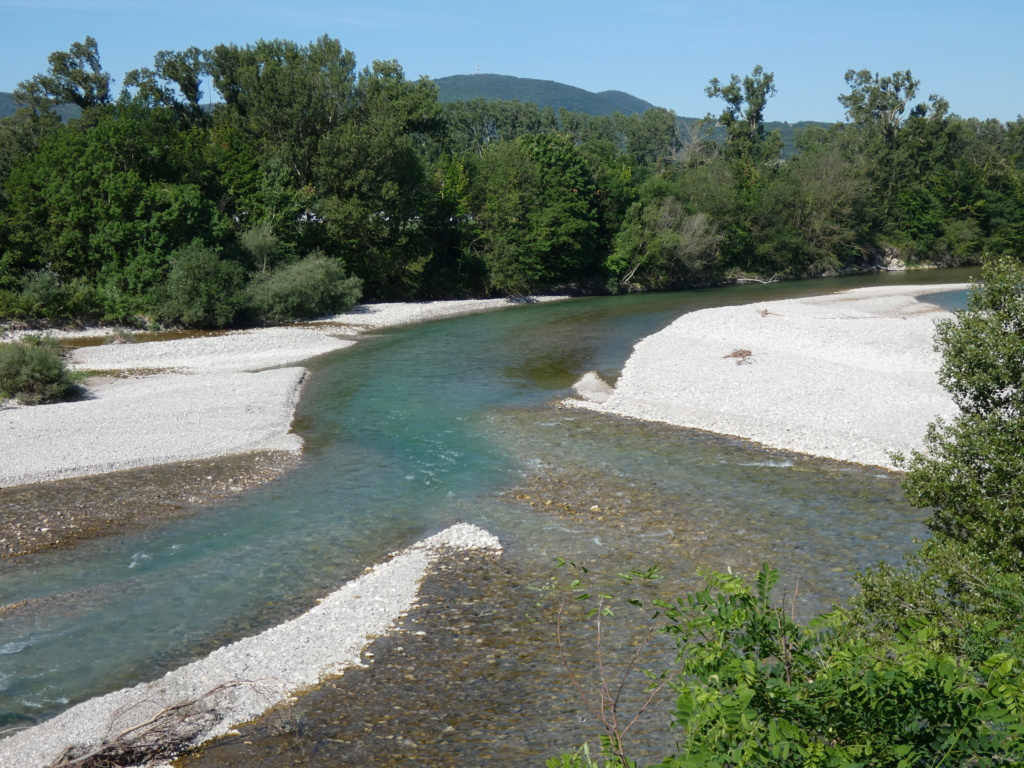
(162, 735)
(607, 709)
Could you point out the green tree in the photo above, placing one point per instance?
(661, 245)
(969, 576)
(898, 146)
(743, 116)
(202, 290)
(74, 77)
(651, 138)
(754, 687)
(538, 218)
(376, 198)
(174, 81)
(311, 287)
(110, 201)
(285, 96)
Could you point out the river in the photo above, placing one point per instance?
(409, 431)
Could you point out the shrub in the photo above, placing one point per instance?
(753, 687)
(311, 287)
(33, 371)
(43, 295)
(202, 289)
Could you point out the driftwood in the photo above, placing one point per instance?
(747, 279)
(742, 356)
(163, 735)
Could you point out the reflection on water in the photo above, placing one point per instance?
(415, 429)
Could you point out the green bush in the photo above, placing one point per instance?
(43, 295)
(33, 371)
(311, 287)
(753, 687)
(202, 290)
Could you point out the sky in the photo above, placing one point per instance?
(969, 52)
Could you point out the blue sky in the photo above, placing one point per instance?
(665, 52)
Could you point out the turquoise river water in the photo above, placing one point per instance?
(417, 428)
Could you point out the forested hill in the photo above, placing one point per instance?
(548, 93)
(543, 93)
(8, 107)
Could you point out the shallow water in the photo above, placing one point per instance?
(420, 427)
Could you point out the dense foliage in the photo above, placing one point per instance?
(924, 668)
(104, 215)
(970, 574)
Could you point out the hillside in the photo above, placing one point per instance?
(8, 107)
(543, 93)
(547, 93)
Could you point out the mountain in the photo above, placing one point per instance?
(8, 107)
(543, 93)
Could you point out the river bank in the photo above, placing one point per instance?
(849, 376)
(174, 403)
(238, 682)
(403, 449)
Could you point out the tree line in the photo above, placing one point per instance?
(309, 182)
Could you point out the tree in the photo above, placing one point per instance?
(753, 687)
(286, 97)
(202, 290)
(970, 575)
(175, 81)
(743, 116)
(651, 138)
(309, 288)
(109, 202)
(376, 199)
(661, 245)
(898, 146)
(972, 475)
(878, 102)
(538, 216)
(74, 77)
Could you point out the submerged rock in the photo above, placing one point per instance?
(593, 388)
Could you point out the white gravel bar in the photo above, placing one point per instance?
(849, 376)
(199, 398)
(140, 422)
(254, 350)
(386, 315)
(258, 672)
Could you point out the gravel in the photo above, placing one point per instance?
(254, 350)
(387, 315)
(194, 398)
(261, 671)
(153, 420)
(849, 376)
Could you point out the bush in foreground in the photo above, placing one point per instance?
(32, 371)
(753, 688)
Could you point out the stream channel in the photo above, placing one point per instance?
(407, 432)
